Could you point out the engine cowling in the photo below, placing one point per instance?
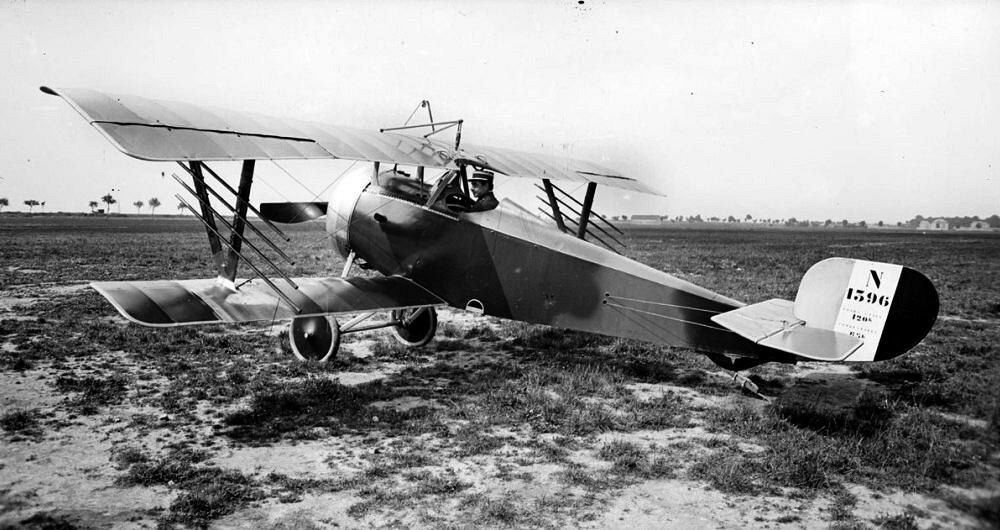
(340, 209)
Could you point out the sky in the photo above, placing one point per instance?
(776, 109)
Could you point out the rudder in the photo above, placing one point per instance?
(889, 307)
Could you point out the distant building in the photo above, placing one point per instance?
(937, 224)
(977, 225)
(646, 219)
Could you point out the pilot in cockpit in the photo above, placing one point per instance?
(481, 185)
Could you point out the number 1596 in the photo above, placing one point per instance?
(859, 295)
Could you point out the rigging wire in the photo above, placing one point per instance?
(668, 317)
(655, 331)
(297, 181)
(315, 195)
(276, 190)
(335, 180)
(274, 317)
(314, 237)
(664, 304)
(414, 113)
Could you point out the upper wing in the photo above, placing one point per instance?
(169, 303)
(522, 164)
(170, 131)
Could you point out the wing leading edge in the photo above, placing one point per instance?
(173, 131)
(169, 303)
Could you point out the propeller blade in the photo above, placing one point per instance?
(292, 212)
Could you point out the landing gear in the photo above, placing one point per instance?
(414, 327)
(315, 338)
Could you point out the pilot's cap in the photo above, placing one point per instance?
(482, 176)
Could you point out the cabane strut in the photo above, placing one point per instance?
(584, 215)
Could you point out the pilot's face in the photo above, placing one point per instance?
(478, 188)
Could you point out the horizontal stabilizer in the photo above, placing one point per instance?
(759, 321)
(168, 303)
(773, 324)
(292, 212)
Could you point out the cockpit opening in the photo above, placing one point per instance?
(482, 200)
(446, 191)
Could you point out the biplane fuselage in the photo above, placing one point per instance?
(505, 263)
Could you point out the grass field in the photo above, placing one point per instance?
(494, 423)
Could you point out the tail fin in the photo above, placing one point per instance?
(845, 310)
(889, 307)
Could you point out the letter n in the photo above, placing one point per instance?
(875, 276)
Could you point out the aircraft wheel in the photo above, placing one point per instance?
(420, 331)
(315, 338)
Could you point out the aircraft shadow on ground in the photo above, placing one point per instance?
(481, 380)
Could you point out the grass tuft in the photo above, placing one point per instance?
(452, 345)
(48, 521)
(842, 507)
(94, 392)
(903, 521)
(124, 457)
(910, 448)
(625, 457)
(549, 338)
(988, 510)
(389, 348)
(319, 407)
(629, 459)
(206, 492)
(446, 484)
(590, 479)
(728, 473)
(177, 467)
(869, 415)
(21, 421)
(210, 495)
(482, 332)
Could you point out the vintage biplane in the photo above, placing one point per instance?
(565, 272)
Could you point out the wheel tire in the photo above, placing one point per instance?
(315, 338)
(417, 333)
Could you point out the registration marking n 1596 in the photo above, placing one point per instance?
(865, 305)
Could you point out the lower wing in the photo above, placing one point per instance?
(167, 303)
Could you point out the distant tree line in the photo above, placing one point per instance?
(108, 200)
(993, 220)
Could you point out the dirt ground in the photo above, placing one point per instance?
(65, 469)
